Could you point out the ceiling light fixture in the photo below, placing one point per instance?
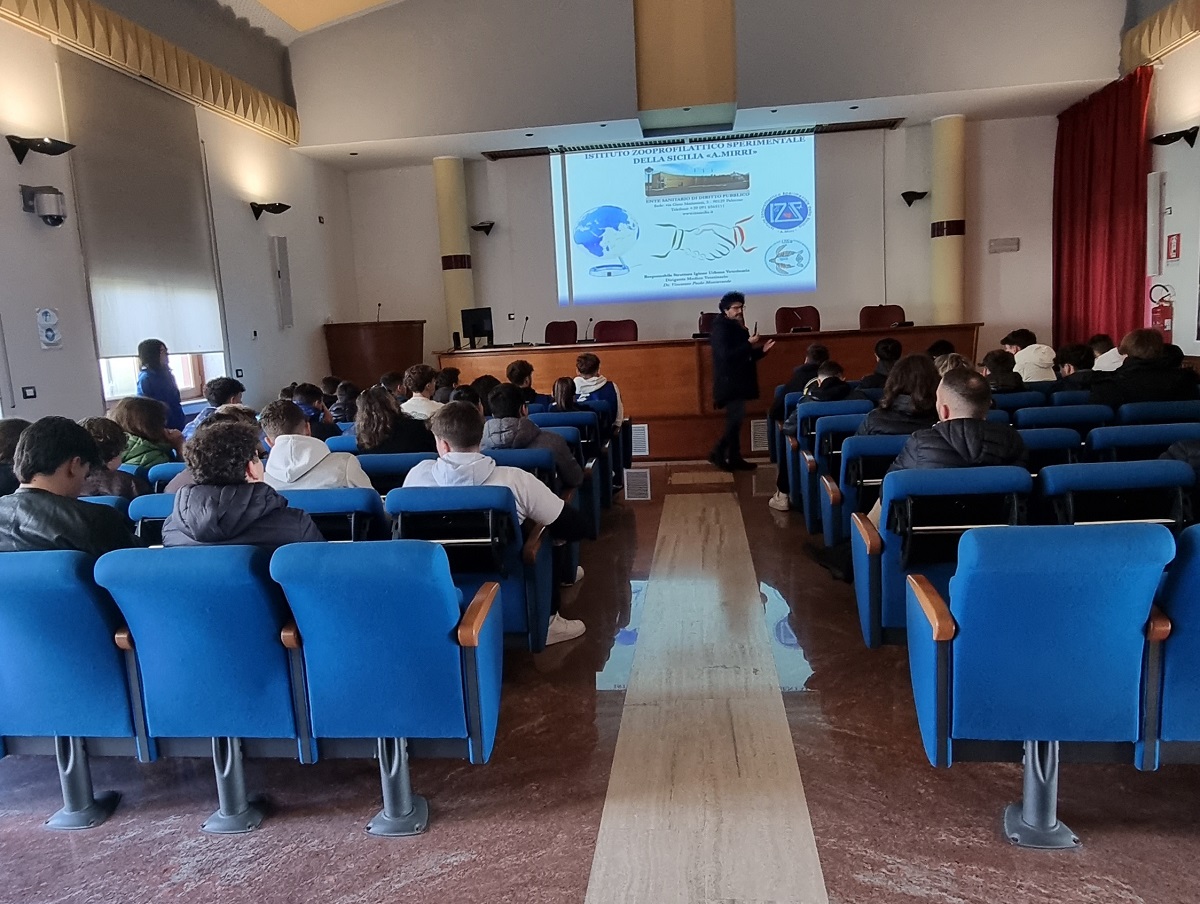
(51, 147)
(259, 209)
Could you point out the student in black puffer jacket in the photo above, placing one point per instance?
(887, 353)
(1148, 374)
(830, 387)
(998, 368)
(909, 399)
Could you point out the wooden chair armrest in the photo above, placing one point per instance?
(471, 625)
(869, 532)
(123, 639)
(1158, 628)
(832, 490)
(289, 635)
(810, 461)
(569, 494)
(533, 544)
(936, 611)
(793, 442)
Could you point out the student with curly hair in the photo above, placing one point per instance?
(108, 480)
(382, 428)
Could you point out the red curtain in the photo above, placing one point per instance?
(1100, 168)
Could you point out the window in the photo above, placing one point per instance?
(119, 375)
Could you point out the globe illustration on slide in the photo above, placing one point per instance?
(608, 233)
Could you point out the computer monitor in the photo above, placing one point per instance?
(477, 324)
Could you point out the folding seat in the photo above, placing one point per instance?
(1078, 417)
(1159, 412)
(804, 440)
(65, 683)
(1138, 442)
(587, 500)
(484, 541)
(204, 623)
(824, 460)
(345, 513)
(398, 661)
(388, 471)
(1046, 446)
(864, 462)
(149, 513)
(1174, 725)
(595, 444)
(923, 515)
(1108, 491)
(139, 471)
(161, 475)
(120, 503)
(1037, 645)
(1011, 401)
(344, 443)
(1070, 397)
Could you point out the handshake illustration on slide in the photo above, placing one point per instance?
(709, 242)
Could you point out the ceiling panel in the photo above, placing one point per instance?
(305, 15)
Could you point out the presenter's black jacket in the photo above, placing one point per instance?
(735, 374)
(961, 443)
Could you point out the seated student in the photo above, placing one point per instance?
(950, 361)
(229, 504)
(909, 400)
(11, 429)
(520, 374)
(217, 392)
(300, 461)
(563, 394)
(345, 408)
(445, 383)
(940, 347)
(419, 381)
(1108, 356)
(511, 428)
(815, 356)
(458, 429)
(1075, 363)
(998, 367)
(312, 402)
(51, 461)
(887, 353)
(483, 387)
(149, 441)
(471, 397)
(381, 428)
(288, 391)
(830, 387)
(591, 385)
(329, 387)
(226, 414)
(1147, 375)
(108, 480)
(393, 382)
(1034, 362)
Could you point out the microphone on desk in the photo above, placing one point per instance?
(378, 311)
(523, 327)
(586, 329)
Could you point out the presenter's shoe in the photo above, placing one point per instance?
(562, 629)
(718, 462)
(578, 577)
(780, 502)
(740, 464)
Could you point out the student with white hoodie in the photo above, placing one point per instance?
(593, 386)
(300, 461)
(1035, 363)
(458, 431)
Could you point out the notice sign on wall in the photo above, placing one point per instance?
(48, 331)
(1173, 244)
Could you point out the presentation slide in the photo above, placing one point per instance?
(670, 222)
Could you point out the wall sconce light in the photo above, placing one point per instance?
(1188, 135)
(912, 197)
(484, 226)
(259, 209)
(51, 147)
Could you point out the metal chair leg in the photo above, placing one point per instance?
(237, 813)
(1033, 823)
(81, 809)
(403, 813)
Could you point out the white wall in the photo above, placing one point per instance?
(40, 266)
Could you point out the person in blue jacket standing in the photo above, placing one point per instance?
(157, 382)
(735, 353)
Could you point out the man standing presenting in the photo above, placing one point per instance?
(735, 378)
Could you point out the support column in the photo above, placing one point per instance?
(458, 282)
(949, 227)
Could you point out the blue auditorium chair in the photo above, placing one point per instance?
(401, 658)
(1038, 643)
(388, 471)
(120, 503)
(1045, 387)
(348, 428)
(1108, 491)
(1159, 412)
(998, 416)
(485, 542)
(536, 408)
(588, 497)
(139, 471)
(824, 460)
(161, 475)
(923, 514)
(1078, 417)
(1070, 397)
(807, 414)
(204, 624)
(864, 462)
(346, 513)
(595, 445)
(539, 462)
(1138, 442)
(1011, 401)
(65, 687)
(149, 513)
(1175, 725)
(1046, 446)
(344, 443)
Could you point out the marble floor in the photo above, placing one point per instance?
(566, 809)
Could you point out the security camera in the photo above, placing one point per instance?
(46, 201)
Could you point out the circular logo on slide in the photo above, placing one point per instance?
(788, 257)
(786, 212)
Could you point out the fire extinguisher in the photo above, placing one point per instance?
(1162, 310)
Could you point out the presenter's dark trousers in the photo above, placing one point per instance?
(729, 448)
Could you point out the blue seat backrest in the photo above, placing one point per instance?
(348, 428)
(381, 661)
(1011, 401)
(340, 501)
(120, 503)
(1080, 417)
(343, 443)
(1046, 446)
(587, 422)
(60, 671)
(1179, 597)
(875, 395)
(1139, 441)
(1120, 491)
(900, 485)
(535, 461)
(136, 470)
(205, 622)
(1051, 630)
(831, 432)
(1045, 387)
(998, 416)
(161, 475)
(809, 413)
(536, 408)
(424, 500)
(865, 460)
(1071, 397)
(148, 514)
(1115, 475)
(572, 437)
(388, 471)
(1159, 412)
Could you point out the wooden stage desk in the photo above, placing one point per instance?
(667, 384)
